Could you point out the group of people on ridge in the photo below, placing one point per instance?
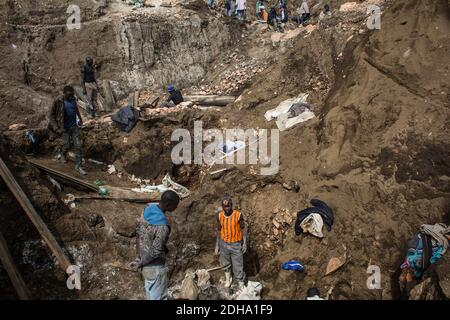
(278, 14)
(65, 119)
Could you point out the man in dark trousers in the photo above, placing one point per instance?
(174, 99)
(152, 236)
(63, 121)
(90, 86)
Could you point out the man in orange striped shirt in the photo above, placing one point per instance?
(231, 241)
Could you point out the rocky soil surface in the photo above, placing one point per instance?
(377, 151)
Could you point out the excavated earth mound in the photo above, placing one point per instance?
(377, 151)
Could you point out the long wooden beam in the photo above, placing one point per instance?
(64, 176)
(124, 194)
(210, 100)
(40, 225)
(13, 273)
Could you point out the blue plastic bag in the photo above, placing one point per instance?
(293, 265)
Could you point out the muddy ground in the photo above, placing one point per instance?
(377, 152)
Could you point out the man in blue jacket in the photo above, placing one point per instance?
(152, 236)
(63, 118)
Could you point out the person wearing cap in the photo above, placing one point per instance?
(231, 242)
(65, 120)
(90, 86)
(174, 99)
(325, 12)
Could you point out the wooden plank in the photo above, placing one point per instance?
(64, 176)
(45, 233)
(19, 285)
(123, 194)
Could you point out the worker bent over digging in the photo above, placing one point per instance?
(231, 242)
(152, 235)
(174, 99)
(63, 121)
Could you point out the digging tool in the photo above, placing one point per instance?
(218, 171)
(219, 268)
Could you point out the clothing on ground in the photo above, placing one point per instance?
(298, 108)
(232, 253)
(252, 291)
(319, 207)
(313, 224)
(70, 113)
(72, 134)
(423, 250)
(155, 282)
(437, 232)
(230, 146)
(292, 265)
(314, 298)
(152, 243)
(126, 118)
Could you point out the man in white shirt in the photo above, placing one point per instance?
(303, 12)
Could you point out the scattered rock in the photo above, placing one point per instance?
(333, 265)
(276, 224)
(426, 290)
(189, 290)
(291, 185)
(17, 126)
(94, 219)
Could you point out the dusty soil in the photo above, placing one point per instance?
(377, 152)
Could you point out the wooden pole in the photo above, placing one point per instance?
(40, 225)
(210, 100)
(65, 176)
(13, 273)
